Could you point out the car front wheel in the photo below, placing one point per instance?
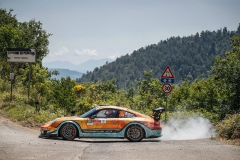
(135, 133)
(68, 131)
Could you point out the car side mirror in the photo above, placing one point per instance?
(93, 116)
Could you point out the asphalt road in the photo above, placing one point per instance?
(20, 143)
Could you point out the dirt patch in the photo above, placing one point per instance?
(229, 141)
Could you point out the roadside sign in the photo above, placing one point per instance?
(21, 55)
(11, 76)
(167, 73)
(167, 88)
(167, 80)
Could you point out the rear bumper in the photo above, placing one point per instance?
(153, 133)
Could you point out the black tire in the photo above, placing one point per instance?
(135, 133)
(68, 131)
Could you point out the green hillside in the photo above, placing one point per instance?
(189, 57)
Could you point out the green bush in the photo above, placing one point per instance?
(229, 127)
(4, 86)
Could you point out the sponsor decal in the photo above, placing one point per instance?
(103, 120)
(89, 122)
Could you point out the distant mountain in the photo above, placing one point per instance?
(89, 65)
(66, 72)
(60, 65)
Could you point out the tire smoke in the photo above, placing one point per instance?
(187, 129)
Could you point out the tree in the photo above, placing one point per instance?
(238, 30)
(226, 71)
(150, 90)
(62, 94)
(35, 37)
(7, 17)
(14, 34)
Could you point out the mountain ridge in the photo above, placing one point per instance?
(65, 73)
(82, 67)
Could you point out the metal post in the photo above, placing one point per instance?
(29, 77)
(11, 91)
(166, 108)
(11, 82)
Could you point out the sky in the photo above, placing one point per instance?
(98, 29)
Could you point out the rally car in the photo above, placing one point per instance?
(106, 121)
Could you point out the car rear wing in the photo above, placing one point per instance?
(157, 113)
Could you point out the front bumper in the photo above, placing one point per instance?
(46, 133)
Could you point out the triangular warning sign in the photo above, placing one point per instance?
(167, 73)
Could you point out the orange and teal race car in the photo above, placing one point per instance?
(106, 121)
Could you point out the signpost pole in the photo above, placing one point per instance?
(11, 91)
(166, 108)
(11, 79)
(29, 76)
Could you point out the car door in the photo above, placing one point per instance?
(124, 118)
(103, 121)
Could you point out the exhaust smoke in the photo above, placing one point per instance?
(194, 127)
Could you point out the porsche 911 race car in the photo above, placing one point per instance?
(106, 121)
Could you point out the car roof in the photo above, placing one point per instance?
(119, 108)
(112, 107)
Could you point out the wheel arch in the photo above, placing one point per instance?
(65, 122)
(135, 123)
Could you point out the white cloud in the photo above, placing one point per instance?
(60, 52)
(116, 55)
(86, 52)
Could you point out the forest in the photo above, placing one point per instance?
(206, 67)
(189, 57)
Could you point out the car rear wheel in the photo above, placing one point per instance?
(135, 133)
(68, 131)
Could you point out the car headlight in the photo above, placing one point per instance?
(53, 121)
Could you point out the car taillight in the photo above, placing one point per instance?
(157, 125)
(154, 125)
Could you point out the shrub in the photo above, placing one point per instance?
(4, 86)
(229, 127)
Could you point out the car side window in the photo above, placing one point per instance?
(106, 113)
(124, 114)
(100, 114)
(129, 115)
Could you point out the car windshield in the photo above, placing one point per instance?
(87, 114)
